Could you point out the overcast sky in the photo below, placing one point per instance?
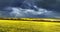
(30, 8)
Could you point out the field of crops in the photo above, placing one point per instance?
(28, 26)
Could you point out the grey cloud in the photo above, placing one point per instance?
(19, 12)
(30, 8)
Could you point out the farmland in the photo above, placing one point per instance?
(28, 26)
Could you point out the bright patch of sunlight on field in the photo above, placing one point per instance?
(28, 26)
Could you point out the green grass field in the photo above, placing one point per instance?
(28, 26)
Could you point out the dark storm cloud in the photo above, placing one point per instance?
(30, 8)
(49, 4)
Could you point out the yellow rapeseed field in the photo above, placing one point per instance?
(28, 26)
